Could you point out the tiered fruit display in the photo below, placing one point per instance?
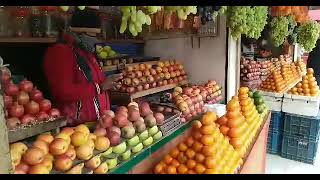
(207, 151)
(265, 69)
(274, 83)
(24, 103)
(276, 64)
(287, 73)
(250, 70)
(58, 152)
(241, 122)
(307, 87)
(144, 76)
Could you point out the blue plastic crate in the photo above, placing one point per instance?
(277, 121)
(299, 149)
(274, 142)
(302, 126)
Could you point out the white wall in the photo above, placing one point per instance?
(201, 64)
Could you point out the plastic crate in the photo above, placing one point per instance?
(299, 149)
(302, 126)
(274, 142)
(277, 121)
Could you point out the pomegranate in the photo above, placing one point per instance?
(36, 95)
(26, 119)
(7, 101)
(42, 116)
(32, 108)
(54, 112)
(16, 110)
(23, 98)
(13, 122)
(45, 105)
(26, 86)
(11, 89)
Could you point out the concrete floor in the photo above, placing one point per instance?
(279, 165)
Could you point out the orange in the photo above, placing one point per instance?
(236, 122)
(245, 102)
(182, 169)
(314, 90)
(171, 170)
(223, 120)
(200, 157)
(305, 82)
(306, 91)
(232, 104)
(190, 153)
(200, 168)
(190, 171)
(189, 142)
(196, 124)
(236, 142)
(208, 150)
(243, 96)
(174, 152)
(305, 86)
(191, 163)
(207, 140)
(224, 130)
(312, 84)
(182, 158)
(210, 171)
(175, 163)
(299, 85)
(159, 168)
(233, 114)
(244, 90)
(310, 71)
(197, 146)
(197, 135)
(210, 162)
(182, 147)
(167, 159)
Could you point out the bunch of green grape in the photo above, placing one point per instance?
(134, 19)
(279, 30)
(308, 34)
(256, 21)
(237, 20)
(182, 11)
(292, 30)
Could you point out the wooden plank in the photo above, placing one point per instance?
(27, 40)
(29, 131)
(115, 67)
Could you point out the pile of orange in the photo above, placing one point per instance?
(207, 151)
(287, 73)
(274, 83)
(307, 87)
(301, 66)
(241, 121)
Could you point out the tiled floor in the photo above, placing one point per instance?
(279, 165)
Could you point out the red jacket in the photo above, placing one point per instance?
(73, 93)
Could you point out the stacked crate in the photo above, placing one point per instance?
(275, 133)
(300, 138)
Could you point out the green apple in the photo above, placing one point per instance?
(152, 131)
(99, 49)
(157, 136)
(148, 141)
(112, 53)
(107, 152)
(112, 163)
(103, 55)
(64, 8)
(81, 7)
(137, 148)
(120, 148)
(126, 155)
(144, 135)
(106, 48)
(133, 141)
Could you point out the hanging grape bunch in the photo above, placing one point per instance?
(208, 13)
(279, 29)
(256, 21)
(308, 34)
(182, 11)
(292, 30)
(134, 19)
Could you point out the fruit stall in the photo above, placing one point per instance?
(189, 101)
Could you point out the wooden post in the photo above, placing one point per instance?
(5, 159)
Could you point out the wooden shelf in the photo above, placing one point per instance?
(115, 67)
(125, 98)
(27, 40)
(136, 41)
(33, 130)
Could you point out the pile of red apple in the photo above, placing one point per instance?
(24, 103)
(191, 100)
(59, 152)
(126, 122)
(250, 70)
(144, 76)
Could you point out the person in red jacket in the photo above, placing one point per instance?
(76, 80)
